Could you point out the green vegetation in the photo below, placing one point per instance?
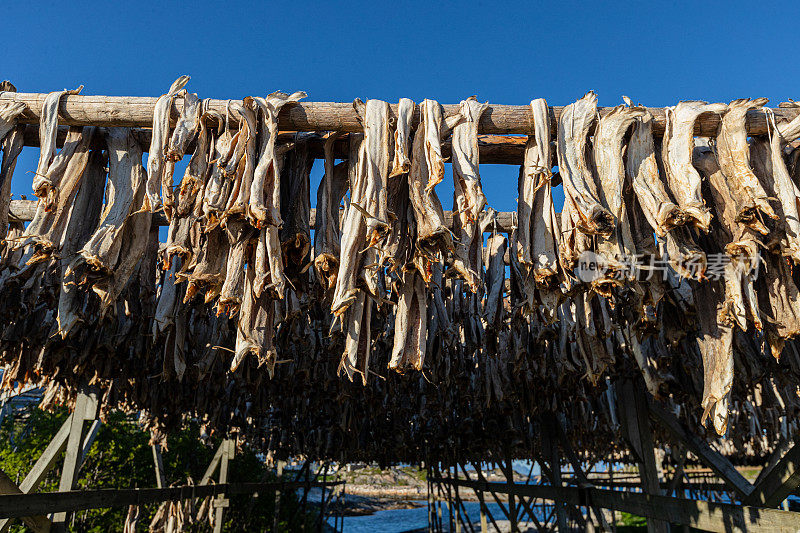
(121, 457)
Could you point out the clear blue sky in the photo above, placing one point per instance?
(505, 54)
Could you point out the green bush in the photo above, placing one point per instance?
(121, 458)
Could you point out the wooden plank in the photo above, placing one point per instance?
(24, 210)
(43, 465)
(19, 505)
(48, 458)
(781, 481)
(709, 457)
(39, 524)
(158, 463)
(719, 517)
(228, 450)
(132, 111)
(72, 457)
(550, 452)
(212, 466)
(91, 435)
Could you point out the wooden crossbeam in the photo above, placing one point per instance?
(709, 457)
(36, 523)
(20, 505)
(777, 484)
(705, 515)
(133, 111)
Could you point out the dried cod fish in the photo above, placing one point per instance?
(12, 147)
(327, 234)
(410, 324)
(264, 205)
(784, 188)
(643, 171)
(734, 160)
(434, 239)
(580, 188)
(157, 175)
(401, 163)
(682, 178)
(48, 129)
(468, 197)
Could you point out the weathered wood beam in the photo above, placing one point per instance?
(39, 524)
(709, 457)
(551, 455)
(136, 111)
(19, 505)
(158, 464)
(85, 408)
(24, 210)
(704, 515)
(781, 481)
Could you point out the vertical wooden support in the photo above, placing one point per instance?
(279, 474)
(85, 409)
(512, 503)
(222, 501)
(636, 421)
(550, 452)
(158, 463)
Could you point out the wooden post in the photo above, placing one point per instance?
(550, 451)
(85, 409)
(636, 420)
(222, 501)
(508, 470)
(158, 462)
(279, 473)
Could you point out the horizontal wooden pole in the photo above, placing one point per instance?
(23, 210)
(43, 503)
(721, 517)
(493, 149)
(80, 110)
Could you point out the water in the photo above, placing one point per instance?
(400, 520)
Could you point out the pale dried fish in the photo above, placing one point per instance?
(734, 160)
(410, 324)
(468, 197)
(580, 188)
(12, 147)
(401, 163)
(327, 234)
(48, 129)
(682, 178)
(264, 207)
(642, 169)
(156, 160)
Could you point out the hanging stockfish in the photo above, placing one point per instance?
(468, 197)
(580, 187)
(10, 112)
(682, 178)
(434, 239)
(643, 172)
(48, 129)
(537, 239)
(411, 323)
(608, 151)
(159, 169)
(328, 233)
(116, 247)
(12, 147)
(264, 206)
(734, 160)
